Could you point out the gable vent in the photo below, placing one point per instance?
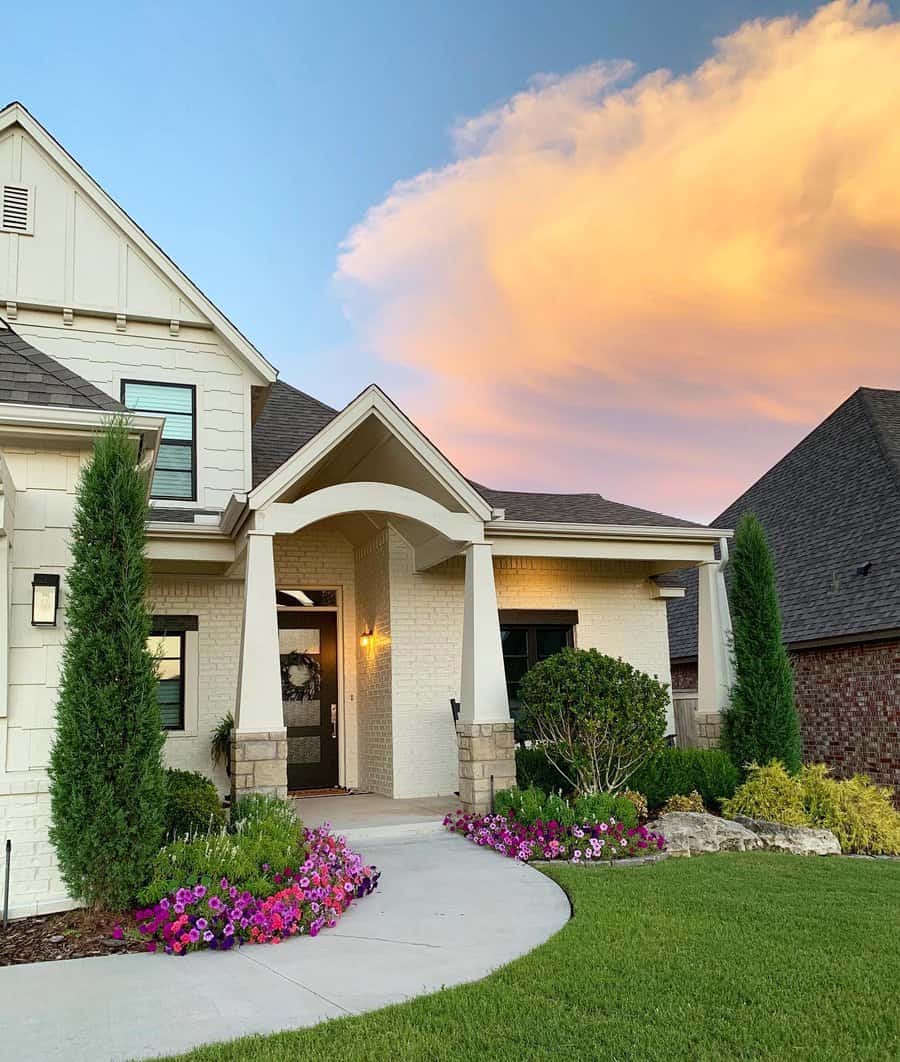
(17, 208)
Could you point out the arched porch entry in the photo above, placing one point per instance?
(484, 728)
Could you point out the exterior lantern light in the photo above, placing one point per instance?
(44, 600)
(365, 639)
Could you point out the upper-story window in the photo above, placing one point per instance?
(176, 464)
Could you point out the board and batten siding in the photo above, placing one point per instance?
(80, 289)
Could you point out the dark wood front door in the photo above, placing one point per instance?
(307, 643)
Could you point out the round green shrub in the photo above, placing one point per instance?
(597, 718)
(192, 804)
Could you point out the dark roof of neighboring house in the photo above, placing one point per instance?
(573, 509)
(831, 512)
(30, 377)
(289, 419)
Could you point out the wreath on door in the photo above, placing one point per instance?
(301, 677)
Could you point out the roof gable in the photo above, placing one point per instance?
(30, 377)
(831, 512)
(372, 406)
(125, 271)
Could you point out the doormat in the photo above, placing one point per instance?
(299, 794)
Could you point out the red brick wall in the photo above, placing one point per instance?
(848, 698)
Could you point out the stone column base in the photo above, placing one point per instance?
(487, 751)
(259, 763)
(709, 730)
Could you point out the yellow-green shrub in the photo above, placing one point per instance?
(859, 813)
(692, 802)
(769, 793)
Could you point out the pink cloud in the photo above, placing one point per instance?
(653, 289)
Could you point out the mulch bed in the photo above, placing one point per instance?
(67, 935)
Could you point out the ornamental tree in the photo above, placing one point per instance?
(106, 777)
(597, 718)
(761, 723)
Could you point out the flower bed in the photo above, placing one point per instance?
(551, 840)
(313, 896)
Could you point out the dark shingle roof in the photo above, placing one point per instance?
(291, 418)
(30, 377)
(830, 507)
(573, 509)
(288, 420)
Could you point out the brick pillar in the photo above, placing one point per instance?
(485, 750)
(259, 763)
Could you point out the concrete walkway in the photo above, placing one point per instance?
(446, 912)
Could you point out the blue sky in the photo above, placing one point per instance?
(611, 281)
(249, 139)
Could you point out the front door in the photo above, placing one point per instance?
(307, 643)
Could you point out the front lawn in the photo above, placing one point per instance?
(744, 956)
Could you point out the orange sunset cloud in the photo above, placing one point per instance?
(650, 288)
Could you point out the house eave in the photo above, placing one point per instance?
(629, 532)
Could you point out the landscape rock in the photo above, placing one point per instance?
(696, 833)
(798, 840)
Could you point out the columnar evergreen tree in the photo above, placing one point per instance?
(107, 782)
(761, 723)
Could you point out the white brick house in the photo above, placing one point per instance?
(327, 576)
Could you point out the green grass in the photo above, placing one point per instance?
(750, 956)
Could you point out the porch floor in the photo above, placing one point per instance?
(366, 816)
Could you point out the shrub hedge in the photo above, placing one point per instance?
(533, 769)
(676, 771)
(264, 838)
(192, 804)
(532, 805)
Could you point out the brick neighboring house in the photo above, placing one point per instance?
(831, 511)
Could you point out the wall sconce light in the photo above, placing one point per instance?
(365, 639)
(44, 600)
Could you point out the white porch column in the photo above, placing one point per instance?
(483, 689)
(259, 757)
(714, 677)
(487, 753)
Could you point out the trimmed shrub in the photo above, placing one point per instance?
(673, 771)
(107, 787)
(601, 807)
(192, 804)
(761, 723)
(692, 802)
(529, 806)
(857, 812)
(533, 805)
(640, 804)
(597, 718)
(264, 838)
(769, 793)
(533, 769)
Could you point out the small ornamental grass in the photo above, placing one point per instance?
(554, 841)
(305, 899)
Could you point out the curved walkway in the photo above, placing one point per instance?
(445, 912)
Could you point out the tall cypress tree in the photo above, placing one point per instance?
(761, 723)
(107, 782)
